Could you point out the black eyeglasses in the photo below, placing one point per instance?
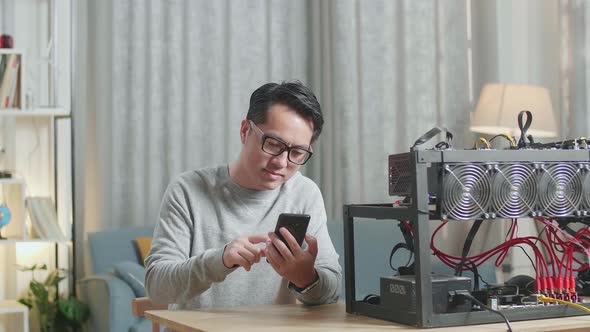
(275, 147)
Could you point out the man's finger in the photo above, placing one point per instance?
(251, 256)
(257, 238)
(274, 256)
(290, 241)
(254, 250)
(243, 262)
(273, 263)
(281, 247)
(312, 245)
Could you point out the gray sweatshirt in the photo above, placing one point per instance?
(204, 210)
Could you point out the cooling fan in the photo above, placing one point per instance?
(515, 190)
(586, 191)
(560, 189)
(466, 192)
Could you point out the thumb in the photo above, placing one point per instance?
(312, 243)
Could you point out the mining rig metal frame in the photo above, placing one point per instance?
(418, 213)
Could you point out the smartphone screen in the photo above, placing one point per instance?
(295, 223)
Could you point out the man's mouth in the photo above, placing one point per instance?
(273, 173)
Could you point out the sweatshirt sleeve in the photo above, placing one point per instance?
(327, 289)
(172, 275)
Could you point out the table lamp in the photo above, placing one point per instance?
(499, 104)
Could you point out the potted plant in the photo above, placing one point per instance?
(55, 312)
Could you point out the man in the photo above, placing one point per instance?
(214, 244)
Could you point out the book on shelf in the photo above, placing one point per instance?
(3, 60)
(43, 219)
(9, 80)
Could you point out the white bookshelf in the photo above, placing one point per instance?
(39, 112)
(11, 306)
(35, 241)
(12, 181)
(35, 146)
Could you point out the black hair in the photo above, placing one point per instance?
(293, 94)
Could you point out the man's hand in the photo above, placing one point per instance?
(296, 264)
(243, 252)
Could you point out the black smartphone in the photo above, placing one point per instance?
(295, 223)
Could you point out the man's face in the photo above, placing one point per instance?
(265, 171)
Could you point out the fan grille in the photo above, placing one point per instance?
(514, 190)
(560, 189)
(586, 189)
(466, 191)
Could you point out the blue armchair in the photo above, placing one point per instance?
(117, 278)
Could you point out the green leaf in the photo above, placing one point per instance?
(26, 302)
(54, 313)
(74, 310)
(38, 290)
(33, 267)
(53, 278)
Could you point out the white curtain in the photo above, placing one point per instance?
(576, 66)
(386, 72)
(163, 85)
(170, 82)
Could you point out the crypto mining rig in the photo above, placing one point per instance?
(545, 183)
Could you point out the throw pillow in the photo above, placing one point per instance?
(133, 274)
(143, 245)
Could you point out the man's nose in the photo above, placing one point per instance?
(281, 160)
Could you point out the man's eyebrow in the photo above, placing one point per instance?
(305, 147)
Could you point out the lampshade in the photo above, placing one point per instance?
(499, 104)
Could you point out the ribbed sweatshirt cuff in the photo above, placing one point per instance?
(213, 259)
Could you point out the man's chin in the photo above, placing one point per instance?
(270, 185)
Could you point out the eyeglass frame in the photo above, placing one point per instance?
(286, 147)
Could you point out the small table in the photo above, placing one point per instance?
(11, 306)
(329, 317)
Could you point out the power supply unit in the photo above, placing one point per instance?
(399, 293)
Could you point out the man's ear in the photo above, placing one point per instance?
(244, 127)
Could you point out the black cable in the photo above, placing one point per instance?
(530, 283)
(483, 280)
(529, 257)
(467, 245)
(507, 285)
(476, 275)
(513, 221)
(524, 126)
(472, 298)
(442, 145)
(539, 236)
(564, 225)
(408, 236)
(395, 248)
(430, 134)
(372, 299)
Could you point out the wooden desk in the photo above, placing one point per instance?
(330, 317)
